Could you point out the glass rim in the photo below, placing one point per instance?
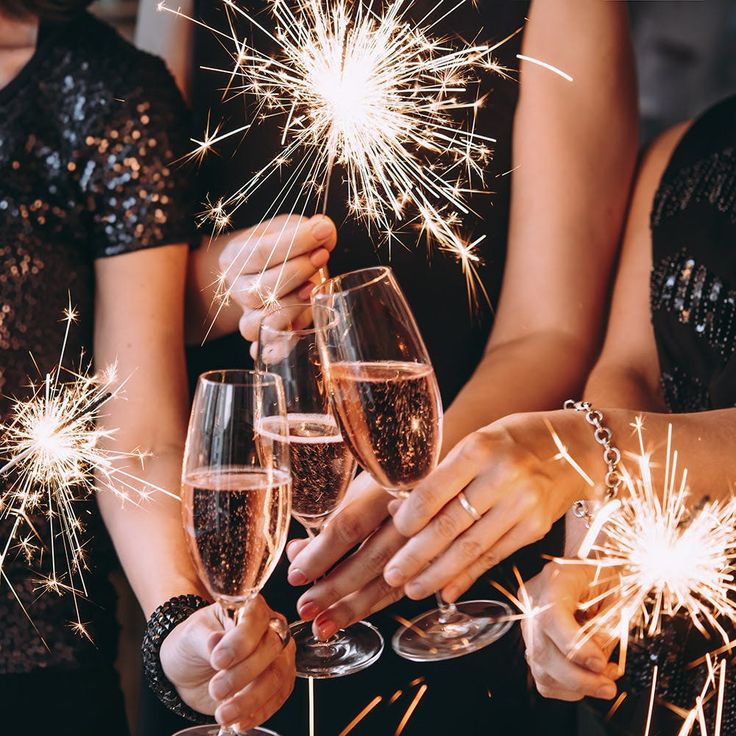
(319, 291)
(313, 330)
(254, 377)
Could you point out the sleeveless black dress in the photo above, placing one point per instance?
(87, 131)
(486, 692)
(693, 312)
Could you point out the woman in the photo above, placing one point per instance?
(90, 212)
(558, 245)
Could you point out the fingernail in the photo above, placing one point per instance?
(319, 257)
(220, 687)
(308, 611)
(306, 292)
(326, 628)
(394, 577)
(607, 692)
(228, 713)
(393, 506)
(222, 658)
(296, 577)
(415, 590)
(595, 665)
(321, 228)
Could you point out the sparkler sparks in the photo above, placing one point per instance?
(56, 458)
(660, 555)
(370, 91)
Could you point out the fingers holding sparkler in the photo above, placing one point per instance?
(563, 665)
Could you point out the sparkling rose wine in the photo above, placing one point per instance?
(236, 521)
(389, 413)
(322, 465)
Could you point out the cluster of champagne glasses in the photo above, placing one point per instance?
(284, 439)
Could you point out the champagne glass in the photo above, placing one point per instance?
(388, 405)
(236, 490)
(322, 467)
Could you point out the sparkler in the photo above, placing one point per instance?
(659, 555)
(365, 89)
(56, 460)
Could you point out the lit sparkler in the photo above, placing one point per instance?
(55, 460)
(658, 555)
(368, 90)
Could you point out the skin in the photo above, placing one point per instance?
(560, 254)
(203, 657)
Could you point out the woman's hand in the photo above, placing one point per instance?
(356, 587)
(510, 477)
(278, 259)
(562, 666)
(243, 674)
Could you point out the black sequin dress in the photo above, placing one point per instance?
(88, 129)
(693, 312)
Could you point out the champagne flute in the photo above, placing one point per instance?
(236, 491)
(389, 408)
(322, 467)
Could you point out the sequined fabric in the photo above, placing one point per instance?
(693, 283)
(88, 131)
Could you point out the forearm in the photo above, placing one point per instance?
(207, 315)
(148, 532)
(535, 373)
(620, 385)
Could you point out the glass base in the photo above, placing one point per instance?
(472, 626)
(349, 650)
(215, 730)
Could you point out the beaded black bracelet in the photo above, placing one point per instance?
(162, 622)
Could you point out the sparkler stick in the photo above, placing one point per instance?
(361, 87)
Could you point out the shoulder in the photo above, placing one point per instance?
(106, 76)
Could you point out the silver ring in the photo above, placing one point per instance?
(468, 506)
(281, 629)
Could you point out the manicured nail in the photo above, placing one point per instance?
(319, 257)
(222, 658)
(228, 713)
(326, 628)
(393, 506)
(595, 665)
(296, 577)
(394, 577)
(321, 227)
(308, 611)
(220, 687)
(607, 692)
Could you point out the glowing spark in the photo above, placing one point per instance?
(544, 64)
(616, 705)
(655, 672)
(363, 713)
(373, 93)
(55, 460)
(410, 710)
(659, 556)
(311, 706)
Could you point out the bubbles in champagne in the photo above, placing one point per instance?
(236, 521)
(321, 464)
(390, 416)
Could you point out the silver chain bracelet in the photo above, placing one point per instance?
(611, 456)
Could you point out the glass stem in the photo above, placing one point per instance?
(235, 615)
(447, 610)
(312, 534)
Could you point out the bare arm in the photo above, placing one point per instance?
(139, 300)
(574, 152)
(168, 37)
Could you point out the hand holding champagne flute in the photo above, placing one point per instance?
(388, 403)
(322, 467)
(236, 498)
